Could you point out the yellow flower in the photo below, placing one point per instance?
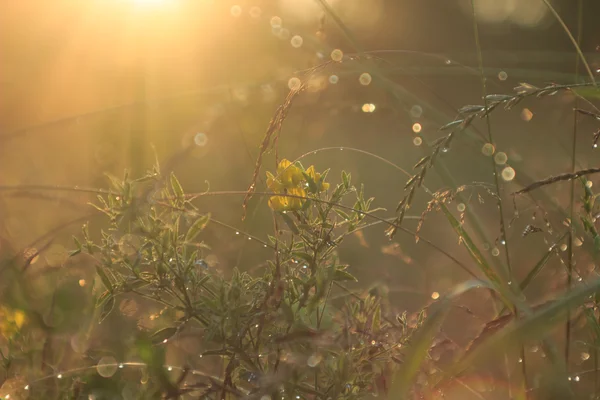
(288, 174)
(316, 177)
(296, 203)
(10, 321)
(286, 203)
(273, 183)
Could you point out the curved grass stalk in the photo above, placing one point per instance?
(573, 40)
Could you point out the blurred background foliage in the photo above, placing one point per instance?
(99, 86)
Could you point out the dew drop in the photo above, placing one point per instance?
(297, 41)
(585, 356)
(589, 184)
(200, 139)
(488, 149)
(461, 207)
(495, 252)
(368, 107)
(237, 233)
(59, 376)
(563, 247)
(435, 295)
(294, 83)
(500, 158)
(508, 174)
(526, 114)
(417, 127)
(337, 55)
(365, 78)
(107, 366)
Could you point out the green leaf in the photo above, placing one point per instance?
(341, 275)
(376, 322)
(290, 223)
(346, 179)
(451, 125)
(73, 253)
(104, 279)
(305, 256)
(163, 335)
(107, 308)
(176, 186)
(312, 185)
(342, 214)
(197, 227)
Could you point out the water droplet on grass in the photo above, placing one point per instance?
(200, 139)
(526, 114)
(107, 366)
(365, 78)
(297, 41)
(488, 149)
(500, 158)
(294, 83)
(508, 174)
(337, 55)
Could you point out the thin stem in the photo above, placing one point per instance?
(572, 186)
(573, 40)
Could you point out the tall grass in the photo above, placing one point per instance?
(299, 326)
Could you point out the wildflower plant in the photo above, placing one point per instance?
(292, 330)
